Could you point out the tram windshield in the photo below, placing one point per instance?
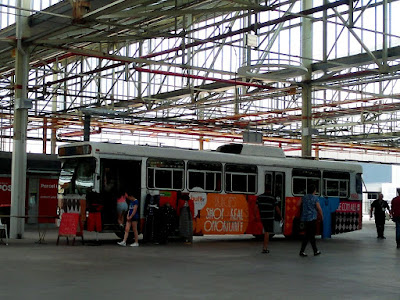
(77, 176)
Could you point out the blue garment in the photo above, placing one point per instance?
(328, 206)
(309, 209)
(131, 207)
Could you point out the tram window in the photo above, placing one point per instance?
(150, 178)
(336, 188)
(332, 188)
(228, 183)
(165, 174)
(300, 185)
(196, 179)
(358, 184)
(163, 179)
(211, 181)
(336, 183)
(251, 183)
(279, 185)
(177, 179)
(315, 182)
(268, 184)
(208, 181)
(343, 188)
(303, 178)
(241, 179)
(66, 182)
(84, 181)
(239, 183)
(204, 175)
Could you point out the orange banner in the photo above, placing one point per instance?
(220, 214)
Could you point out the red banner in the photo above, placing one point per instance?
(47, 200)
(5, 191)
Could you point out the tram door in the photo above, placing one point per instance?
(118, 176)
(275, 187)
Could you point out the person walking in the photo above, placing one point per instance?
(269, 209)
(310, 208)
(396, 217)
(379, 207)
(131, 220)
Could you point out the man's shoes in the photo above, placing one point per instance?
(122, 243)
(302, 254)
(381, 237)
(265, 251)
(317, 253)
(135, 245)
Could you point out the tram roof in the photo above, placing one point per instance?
(272, 156)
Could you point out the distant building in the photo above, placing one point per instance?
(379, 178)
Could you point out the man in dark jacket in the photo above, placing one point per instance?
(379, 207)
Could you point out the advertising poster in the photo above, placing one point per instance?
(220, 214)
(348, 216)
(5, 191)
(47, 200)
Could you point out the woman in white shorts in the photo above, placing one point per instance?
(122, 208)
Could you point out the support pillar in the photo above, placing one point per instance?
(86, 128)
(306, 138)
(53, 136)
(306, 53)
(54, 99)
(44, 141)
(21, 106)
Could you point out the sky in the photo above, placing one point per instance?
(375, 173)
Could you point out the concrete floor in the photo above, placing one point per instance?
(352, 266)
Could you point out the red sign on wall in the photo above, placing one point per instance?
(5, 191)
(47, 200)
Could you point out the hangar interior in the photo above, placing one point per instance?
(313, 77)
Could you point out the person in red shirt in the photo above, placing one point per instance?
(396, 217)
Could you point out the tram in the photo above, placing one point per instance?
(220, 188)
